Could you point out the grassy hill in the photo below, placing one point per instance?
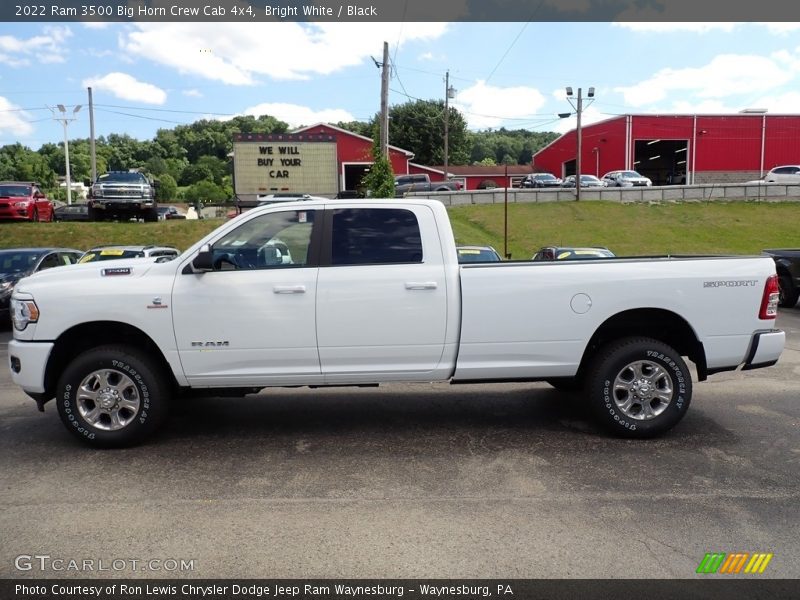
(711, 227)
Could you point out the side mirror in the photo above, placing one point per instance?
(87, 183)
(204, 261)
(38, 195)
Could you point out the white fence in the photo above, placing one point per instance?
(772, 192)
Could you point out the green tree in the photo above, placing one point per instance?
(379, 180)
(204, 192)
(418, 126)
(195, 173)
(167, 188)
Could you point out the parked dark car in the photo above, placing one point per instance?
(787, 266)
(540, 180)
(571, 253)
(16, 263)
(24, 201)
(476, 254)
(74, 212)
(587, 181)
(167, 213)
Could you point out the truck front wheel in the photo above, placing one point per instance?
(112, 396)
(639, 387)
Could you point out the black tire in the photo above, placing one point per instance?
(788, 294)
(35, 217)
(566, 384)
(150, 216)
(639, 387)
(134, 383)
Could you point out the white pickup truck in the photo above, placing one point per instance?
(371, 291)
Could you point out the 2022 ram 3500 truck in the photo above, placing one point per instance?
(370, 291)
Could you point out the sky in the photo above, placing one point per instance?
(147, 76)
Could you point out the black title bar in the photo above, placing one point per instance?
(372, 11)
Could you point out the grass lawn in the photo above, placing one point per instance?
(707, 227)
(631, 229)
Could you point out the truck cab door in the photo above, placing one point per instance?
(382, 295)
(251, 319)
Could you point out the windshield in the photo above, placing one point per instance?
(109, 254)
(630, 174)
(122, 178)
(17, 261)
(546, 176)
(15, 190)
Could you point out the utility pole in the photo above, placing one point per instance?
(65, 120)
(579, 110)
(91, 137)
(385, 101)
(449, 92)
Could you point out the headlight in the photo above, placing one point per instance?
(23, 312)
(97, 193)
(6, 285)
(23, 204)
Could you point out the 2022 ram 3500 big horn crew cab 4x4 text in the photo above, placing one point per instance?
(374, 293)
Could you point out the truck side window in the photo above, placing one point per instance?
(370, 236)
(273, 240)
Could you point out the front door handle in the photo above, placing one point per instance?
(421, 285)
(289, 289)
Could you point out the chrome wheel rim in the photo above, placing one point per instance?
(643, 390)
(108, 399)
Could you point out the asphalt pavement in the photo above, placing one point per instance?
(405, 481)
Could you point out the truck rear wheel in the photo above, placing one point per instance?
(639, 387)
(150, 215)
(112, 396)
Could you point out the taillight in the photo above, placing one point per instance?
(769, 301)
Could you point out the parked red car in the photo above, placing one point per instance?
(24, 201)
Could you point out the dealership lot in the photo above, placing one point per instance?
(507, 480)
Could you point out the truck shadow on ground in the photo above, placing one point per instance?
(522, 416)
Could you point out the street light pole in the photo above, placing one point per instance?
(449, 92)
(579, 111)
(65, 120)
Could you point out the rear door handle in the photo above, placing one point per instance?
(289, 289)
(421, 285)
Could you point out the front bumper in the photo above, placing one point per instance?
(27, 362)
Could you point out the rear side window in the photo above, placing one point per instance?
(371, 236)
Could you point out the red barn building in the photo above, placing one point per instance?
(354, 154)
(679, 148)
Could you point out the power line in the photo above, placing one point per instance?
(168, 110)
(139, 116)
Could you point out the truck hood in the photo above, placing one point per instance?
(75, 274)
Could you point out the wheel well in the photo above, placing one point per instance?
(659, 324)
(80, 338)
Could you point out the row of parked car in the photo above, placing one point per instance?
(482, 254)
(620, 178)
(25, 201)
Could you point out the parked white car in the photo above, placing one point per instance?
(626, 179)
(782, 174)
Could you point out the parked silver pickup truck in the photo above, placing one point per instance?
(404, 184)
